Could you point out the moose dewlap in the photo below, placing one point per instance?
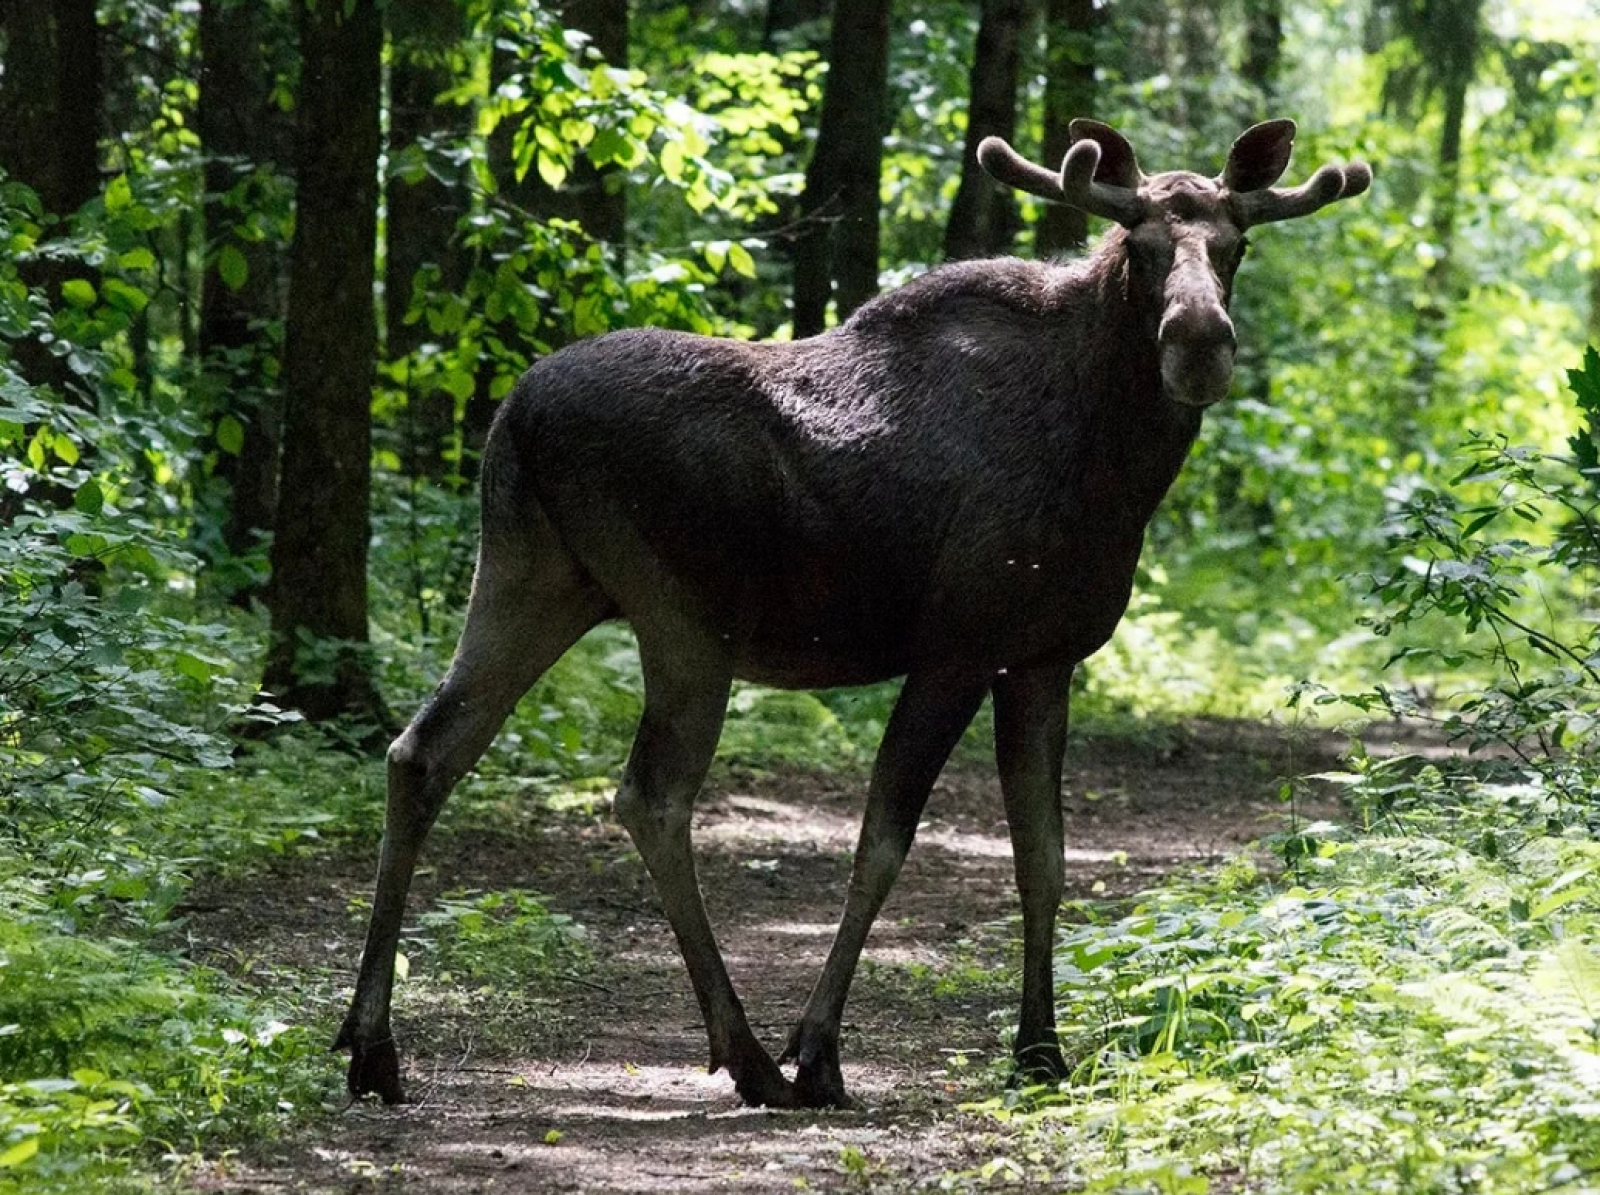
(953, 486)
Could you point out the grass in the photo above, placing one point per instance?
(1414, 1005)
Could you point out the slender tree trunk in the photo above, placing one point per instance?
(1199, 65)
(983, 218)
(837, 251)
(424, 213)
(599, 201)
(242, 133)
(1457, 71)
(589, 196)
(1263, 52)
(316, 661)
(50, 105)
(1594, 300)
(1069, 92)
(595, 199)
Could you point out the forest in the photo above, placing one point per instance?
(1333, 910)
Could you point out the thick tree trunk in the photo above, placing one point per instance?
(1069, 92)
(837, 251)
(316, 661)
(424, 213)
(243, 135)
(784, 16)
(983, 218)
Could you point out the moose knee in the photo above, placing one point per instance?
(652, 814)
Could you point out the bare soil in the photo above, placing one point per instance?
(597, 1082)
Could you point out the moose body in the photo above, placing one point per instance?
(953, 487)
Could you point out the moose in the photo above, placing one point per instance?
(951, 487)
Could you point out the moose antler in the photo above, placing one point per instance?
(1260, 155)
(1328, 185)
(1074, 186)
(1100, 176)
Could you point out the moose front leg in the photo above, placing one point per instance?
(928, 720)
(1030, 733)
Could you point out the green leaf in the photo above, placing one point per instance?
(119, 195)
(551, 171)
(89, 498)
(672, 159)
(741, 261)
(125, 298)
(65, 448)
(609, 146)
(232, 267)
(137, 259)
(194, 667)
(230, 435)
(19, 1153)
(78, 292)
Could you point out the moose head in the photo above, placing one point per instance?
(1184, 233)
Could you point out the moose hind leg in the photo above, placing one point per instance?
(1030, 728)
(686, 683)
(928, 720)
(530, 603)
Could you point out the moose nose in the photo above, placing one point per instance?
(1197, 345)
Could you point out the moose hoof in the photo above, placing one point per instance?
(375, 1069)
(823, 1087)
(818, 1082)
(757, 1079)
(766, 1090)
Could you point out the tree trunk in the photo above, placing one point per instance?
(1263, 53)
(1594, 300)
(983, 218)
(50, 100)
(599, 202)
(785, 16)
(589, 196)
(1069, 92)
(242, 135)
(1448, 37)
(316, 661)
(424, 213)
(837, 251)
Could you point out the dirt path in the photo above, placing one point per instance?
(599, 1085)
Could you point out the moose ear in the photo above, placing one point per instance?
(1259, 157)
(1117, 163)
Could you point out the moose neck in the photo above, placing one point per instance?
(1140, 433)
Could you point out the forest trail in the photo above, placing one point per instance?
(597, 1082)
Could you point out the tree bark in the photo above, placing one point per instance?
(50, 107)
(784, 16)
(316, 661)
(1263, 52)
(837, 251)
(983, 218)
(589, 196)
(1069, 92)
(424, 213)
(243, 135)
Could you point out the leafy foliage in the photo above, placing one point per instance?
(1404, 1013)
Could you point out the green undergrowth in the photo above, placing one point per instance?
(1413, 1005)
